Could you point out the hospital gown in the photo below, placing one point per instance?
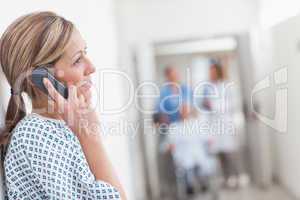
(44, 160)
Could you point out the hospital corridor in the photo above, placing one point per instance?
(150, 99)
(250, 193)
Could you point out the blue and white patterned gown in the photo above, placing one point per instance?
(44, 160)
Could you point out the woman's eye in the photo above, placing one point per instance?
(78, 61)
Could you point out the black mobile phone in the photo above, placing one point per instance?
(43, 72)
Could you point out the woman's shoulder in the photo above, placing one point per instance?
(33, 122)
(36, 128)
(35, 135)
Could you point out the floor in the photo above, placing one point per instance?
(274, 193)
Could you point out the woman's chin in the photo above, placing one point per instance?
(85, 85)
(85, 90)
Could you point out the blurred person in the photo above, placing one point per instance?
(174, 96)
(188, 151)
(190, 148)
(218, 102)
(47, 155)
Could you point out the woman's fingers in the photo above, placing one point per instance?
(53, 92)
(72, 91)
(52, 106)
(86, 94)
(82, 102)
(58, 100)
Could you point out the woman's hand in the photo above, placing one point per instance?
(76, 113)
(75, 110)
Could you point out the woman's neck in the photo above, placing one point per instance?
(41, 107)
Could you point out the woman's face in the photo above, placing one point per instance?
(74, 67)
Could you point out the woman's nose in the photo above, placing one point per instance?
(90, 68)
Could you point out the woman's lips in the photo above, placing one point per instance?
(87, 84)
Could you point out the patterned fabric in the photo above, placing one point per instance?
(45, 161)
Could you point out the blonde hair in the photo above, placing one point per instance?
(30, 41)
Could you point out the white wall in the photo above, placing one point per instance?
(170, 19)
(95, 20)
(276, 45)
(287, 54)
(142, 22)
(273, 12)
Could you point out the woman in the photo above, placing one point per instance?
(48, 155)
(218, 101)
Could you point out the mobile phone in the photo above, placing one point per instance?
(43, 72)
